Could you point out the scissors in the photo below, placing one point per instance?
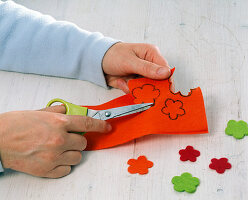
(72, 109)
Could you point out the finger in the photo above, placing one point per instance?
(158, 58)
(75, 142)
(149, 69)
(58, 172)
(78, 123)
(119, 84)
(70, 158)
(57, 109)
(150, 53)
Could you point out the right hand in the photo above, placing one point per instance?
(43, 143)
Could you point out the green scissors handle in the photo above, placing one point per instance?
(71, 109)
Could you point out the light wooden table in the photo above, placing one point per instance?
(207, 42)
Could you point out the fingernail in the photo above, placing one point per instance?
(125, 88)
(162, 71)
(109, 127)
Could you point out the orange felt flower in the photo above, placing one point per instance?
(147, 93)
(140, 165)
(173, 109)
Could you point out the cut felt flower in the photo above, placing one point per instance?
(220, 165)
(237, 129)
(173, 108)
(185, 182)
(140, 165)
(189, 153)
(147, 93)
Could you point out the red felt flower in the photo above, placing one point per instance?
(173, 108)
(189, 153)
(140, 165)
(220, 165)
(147, 93)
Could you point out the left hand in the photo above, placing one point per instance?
(125, 60)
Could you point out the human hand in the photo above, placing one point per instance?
(41, 143)
(123, 60)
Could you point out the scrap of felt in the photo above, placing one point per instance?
(220, 165)
(139, 165)
(237, 129)
(186, 182)
(189, 153)
(172, 113)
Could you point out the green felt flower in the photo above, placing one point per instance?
(185, 182)
(237, 129)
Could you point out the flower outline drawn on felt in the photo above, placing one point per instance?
(147, 93)
(189, 153)
(173, 108)
(186, 182)
(237, 129)
(220, 165)
(139, 165)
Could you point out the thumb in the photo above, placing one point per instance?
(56, 109)
(150, 70)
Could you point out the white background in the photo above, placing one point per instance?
(207, 42)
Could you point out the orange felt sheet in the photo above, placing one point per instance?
(172, 113)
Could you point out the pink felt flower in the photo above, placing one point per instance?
(140, 165)
(220, 165)
(189, 153)
(173, 108)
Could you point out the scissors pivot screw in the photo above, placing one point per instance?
(107, 114)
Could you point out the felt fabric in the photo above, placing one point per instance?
(185, 182)
(237, 129)
(220, 165)
(189, 153)
(140, 165)
(172, 113)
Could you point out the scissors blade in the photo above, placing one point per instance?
(120, 111)
(92, 113)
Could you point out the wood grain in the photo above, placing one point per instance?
(207, 42)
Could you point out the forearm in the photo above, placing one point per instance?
(35, 43)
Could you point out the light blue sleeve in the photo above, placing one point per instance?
(34, 43)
